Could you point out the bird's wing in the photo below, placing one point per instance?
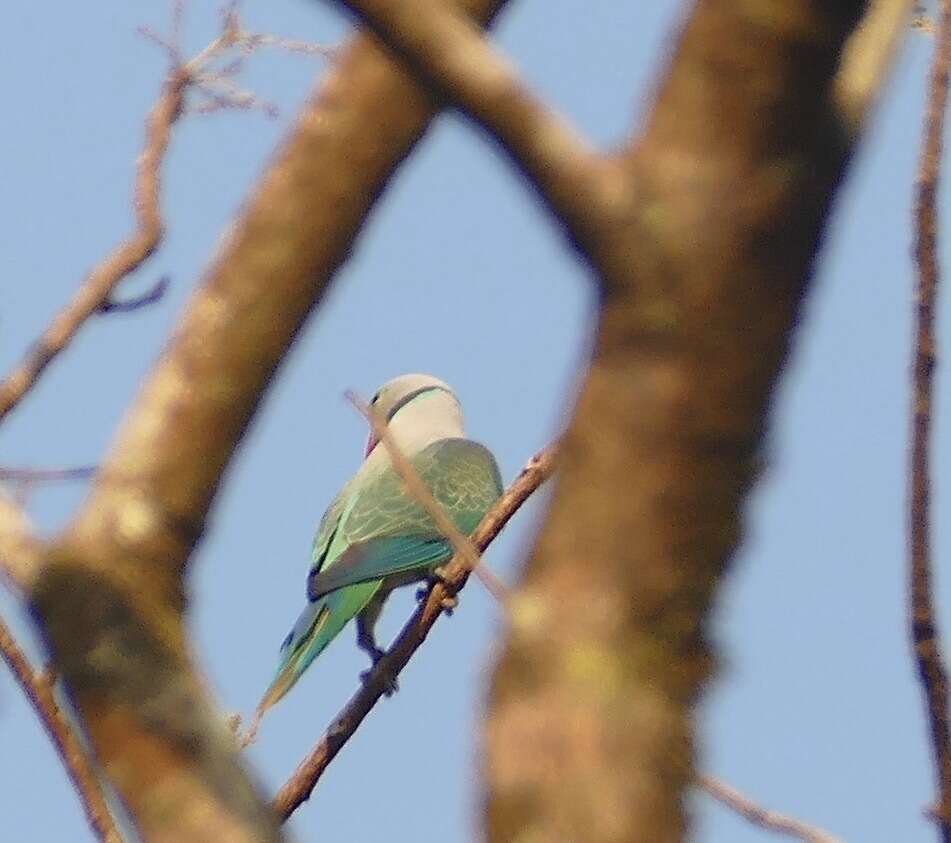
(388, 532)
(327, 529)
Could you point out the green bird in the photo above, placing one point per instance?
(375, 536)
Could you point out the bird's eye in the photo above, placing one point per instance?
(375, 398)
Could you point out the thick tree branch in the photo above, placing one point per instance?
(450, 55)
(64, 739)
(591, 727)
(301, 784)
(763, 817)
(925, 636)
(111, 595)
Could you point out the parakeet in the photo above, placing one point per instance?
(375, 536)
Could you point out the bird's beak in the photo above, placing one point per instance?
(372, 442)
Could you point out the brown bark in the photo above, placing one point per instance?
(926, 639)
(591, 734)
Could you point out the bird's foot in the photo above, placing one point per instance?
(389, 681)
(438, 575)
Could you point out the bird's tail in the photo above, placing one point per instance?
(316, 627)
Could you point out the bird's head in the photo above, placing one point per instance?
(397, 394)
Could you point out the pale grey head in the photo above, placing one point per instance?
(418, 409)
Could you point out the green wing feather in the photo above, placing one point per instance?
(388, 532)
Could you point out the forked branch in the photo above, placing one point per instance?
(763, 817)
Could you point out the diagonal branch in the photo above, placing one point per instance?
(763, 817)
(301, 784)
(68, 746)
(418, 489)
(450, 55)
(925, 636)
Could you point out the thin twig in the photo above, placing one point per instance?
(39, 692)
(46, 475)
(418, 489)
(129, 305)
(762, 817)
(301, 784)
(924, 632)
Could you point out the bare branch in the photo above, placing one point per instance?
(125, 259)
(150, 296)
(762, 817)
(301, 784)
(46, 475)
(39, 692)
(418, 489)
(701, 287)
(923, 621)
(449, 54)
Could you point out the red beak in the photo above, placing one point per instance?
(372, 442)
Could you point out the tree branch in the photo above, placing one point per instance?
(458, 64)
(590, 734)
(762, 817)
(67, 744)
(301, 784)
(923, 622)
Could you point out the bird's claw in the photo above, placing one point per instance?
(449, 603)
(389, 682)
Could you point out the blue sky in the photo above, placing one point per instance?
(815, 711)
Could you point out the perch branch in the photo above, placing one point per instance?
(301, 784)
(40, 694)
(418, 489)
(762, 817)
(924, 632)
